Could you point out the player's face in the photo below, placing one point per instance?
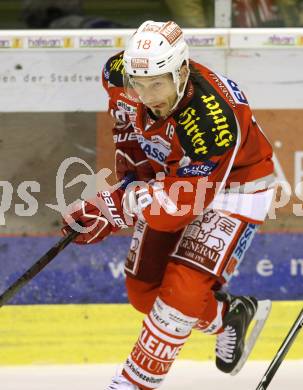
(158, 93)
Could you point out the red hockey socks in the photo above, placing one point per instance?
(165, 330)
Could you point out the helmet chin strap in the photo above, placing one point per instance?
(180, 93)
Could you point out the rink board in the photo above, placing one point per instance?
(61, 334)
(272, 268)
(60, 70)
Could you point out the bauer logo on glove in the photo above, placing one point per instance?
(111, 212)
(97, 218)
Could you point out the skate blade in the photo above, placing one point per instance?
(260, 317)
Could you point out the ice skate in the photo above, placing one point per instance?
(232, 349)
(119, 382)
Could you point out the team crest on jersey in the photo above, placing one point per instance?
(156, 149)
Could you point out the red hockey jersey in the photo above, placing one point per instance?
(211, 149)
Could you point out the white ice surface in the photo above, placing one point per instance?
(185, 375)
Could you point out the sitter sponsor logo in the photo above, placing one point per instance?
(190, 122)
(223, 135)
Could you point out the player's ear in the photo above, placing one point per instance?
(183, 73)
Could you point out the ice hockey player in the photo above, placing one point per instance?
(197, 177)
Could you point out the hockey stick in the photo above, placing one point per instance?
(36, 267)
(284, 348)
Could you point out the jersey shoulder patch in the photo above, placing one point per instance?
(230, 89)
(207, 126)
(113, 71)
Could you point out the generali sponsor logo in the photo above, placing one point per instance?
(139, 63)
(205, 239)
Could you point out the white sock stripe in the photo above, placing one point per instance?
(164, 332)
(163, 336)
(178, 333)
(165, 314)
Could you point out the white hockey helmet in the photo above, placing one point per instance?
(156, 48)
